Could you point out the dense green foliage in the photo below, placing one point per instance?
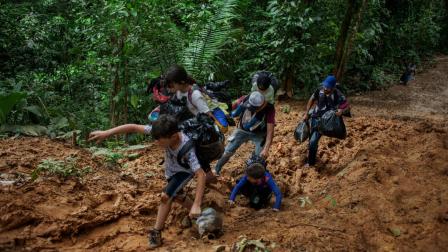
(82, 65)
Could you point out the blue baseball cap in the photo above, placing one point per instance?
(329, 82)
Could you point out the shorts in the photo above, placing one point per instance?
(176, 183)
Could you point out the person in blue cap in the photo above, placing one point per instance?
(326, 98)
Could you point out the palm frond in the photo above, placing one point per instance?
(197, 58)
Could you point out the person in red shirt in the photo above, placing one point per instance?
(257, 121)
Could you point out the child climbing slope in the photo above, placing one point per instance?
(257, 185)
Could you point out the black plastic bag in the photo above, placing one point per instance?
(302, 132)
(217, 86)
(205, 137)
(332, 125)
(201, 129)
(177, 108)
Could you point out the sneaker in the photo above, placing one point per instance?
(155, 239)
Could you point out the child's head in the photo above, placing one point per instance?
(255, 169)
(177, 77)
(255, 173)
(263, 81)
(165, 130)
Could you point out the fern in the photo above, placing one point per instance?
(197, 58)
(7, 102)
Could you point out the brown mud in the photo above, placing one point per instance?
(384, 188)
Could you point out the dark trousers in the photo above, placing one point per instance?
(314, 141)
(258, 196)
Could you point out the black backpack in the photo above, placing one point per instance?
(274, 81)
(205, 137)
(177, 108)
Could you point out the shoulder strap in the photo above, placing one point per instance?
(317, 93)
(183, 151)
(190, 98)
(336, 95)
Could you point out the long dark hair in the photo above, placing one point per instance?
(178, 74)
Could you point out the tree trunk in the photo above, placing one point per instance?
(286, 86)
(117, 45)
(115, 90)
(126, 94)
(347, 34)
(289, 84)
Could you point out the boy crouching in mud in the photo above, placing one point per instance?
(257, 185)
(167, 135)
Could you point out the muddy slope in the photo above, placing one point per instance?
(384, 188)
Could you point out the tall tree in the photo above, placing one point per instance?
(347, 33)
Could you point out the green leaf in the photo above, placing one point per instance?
(200, 53)
(395, 231)
(7, 102)
(29, 130)
(33, 130)
(134, 101)
(34, 109)
(134, 156)
(59, 122)
(134, 147)
(331, 200)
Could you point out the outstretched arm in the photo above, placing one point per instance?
(100, 135)
(237, 188)
(309, 105)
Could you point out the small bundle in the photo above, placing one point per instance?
(209, 223)
(332, 125)
(302, 132)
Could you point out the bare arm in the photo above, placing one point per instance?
(340, 111)
(269, 137)
(200, 187)
(100, 135)
(309, 105)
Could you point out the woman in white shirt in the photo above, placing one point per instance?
(185, 86)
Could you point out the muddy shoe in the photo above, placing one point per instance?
(155, 239)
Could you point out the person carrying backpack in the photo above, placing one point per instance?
(256, 124)
(257, 185)
(324, 99)
(161, 94)
(265, 83)
(185, 86)
(166, 133)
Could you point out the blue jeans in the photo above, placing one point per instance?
(314, 141)
(237, 138)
